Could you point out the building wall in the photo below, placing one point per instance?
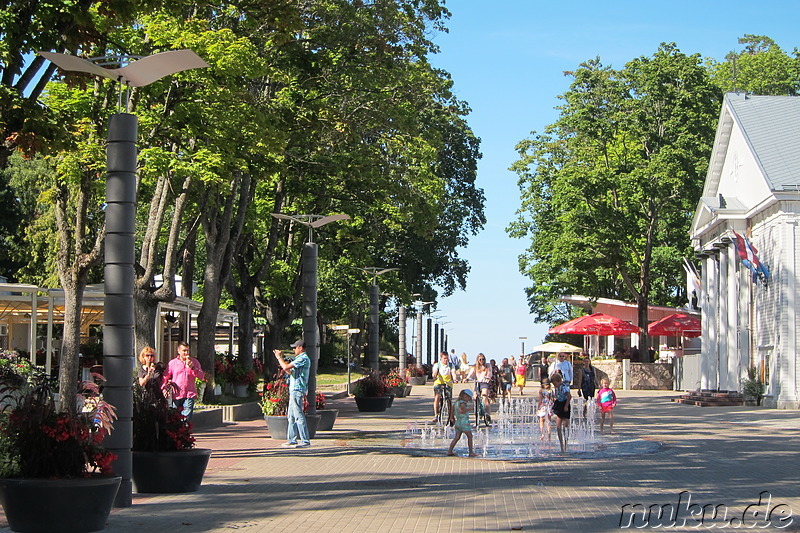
(737, 172)
(644, 376)
(775, 340)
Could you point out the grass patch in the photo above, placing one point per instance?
(333, 376)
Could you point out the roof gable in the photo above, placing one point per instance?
(771, 125)
(756, 153)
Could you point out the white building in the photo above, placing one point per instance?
(752, 188)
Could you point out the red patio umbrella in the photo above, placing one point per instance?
(596, 324)
(676, 324)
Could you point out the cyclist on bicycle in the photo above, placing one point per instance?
(482, 373)
(443, 374)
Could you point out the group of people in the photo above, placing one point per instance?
(554, 396)
(176, 379)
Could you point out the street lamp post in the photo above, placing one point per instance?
(523, 339)
(120, 250)
(401, 342)
(374, 315)
(309, 260)
(348, 331)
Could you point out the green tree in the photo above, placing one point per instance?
(608, 191)
(762, 68)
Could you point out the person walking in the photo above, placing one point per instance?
(563, 367)
(507, 373)
(298, 370)
(522, 372)
(588, 379)
(180, 376)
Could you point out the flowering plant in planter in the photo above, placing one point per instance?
(370, 386)
(275, 396)
(222, 370)
(36, 441)
(320, 400)
(15, 368)
(393, 379)
(157, 427)
(414, 371)
(320, 404)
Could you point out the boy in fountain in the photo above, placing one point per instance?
(561, 408)
(463, 409)
(607, 400)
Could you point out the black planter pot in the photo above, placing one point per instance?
(170, 472)
(398, 392)
(279, 426)
(375, 404)
(327, 419)
(417, 380)
(64, 505)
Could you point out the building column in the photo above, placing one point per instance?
(712, 353)
(734, 322)
(722, 318)
(706, 317)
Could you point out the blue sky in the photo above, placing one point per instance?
(507, 60)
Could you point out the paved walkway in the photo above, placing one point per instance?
(359, 478)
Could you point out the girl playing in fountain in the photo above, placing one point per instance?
(545, 410)
(463, 409)
(561, 408)
(607, 400)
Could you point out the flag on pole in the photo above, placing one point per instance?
(747, 254)
(693, 284)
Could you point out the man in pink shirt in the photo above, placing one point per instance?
(182, 372)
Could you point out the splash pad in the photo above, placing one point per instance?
(515, 434)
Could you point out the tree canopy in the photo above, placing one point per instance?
(609, 188)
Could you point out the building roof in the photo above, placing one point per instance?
(771, 125)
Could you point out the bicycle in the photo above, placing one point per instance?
(445, 415)
(480, 409)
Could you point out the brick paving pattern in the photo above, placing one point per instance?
(358, 477)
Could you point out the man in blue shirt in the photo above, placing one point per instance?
(298, 371)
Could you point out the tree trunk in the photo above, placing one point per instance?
(222, 226)
(144, 317)
(279, 313)
(69, 368)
